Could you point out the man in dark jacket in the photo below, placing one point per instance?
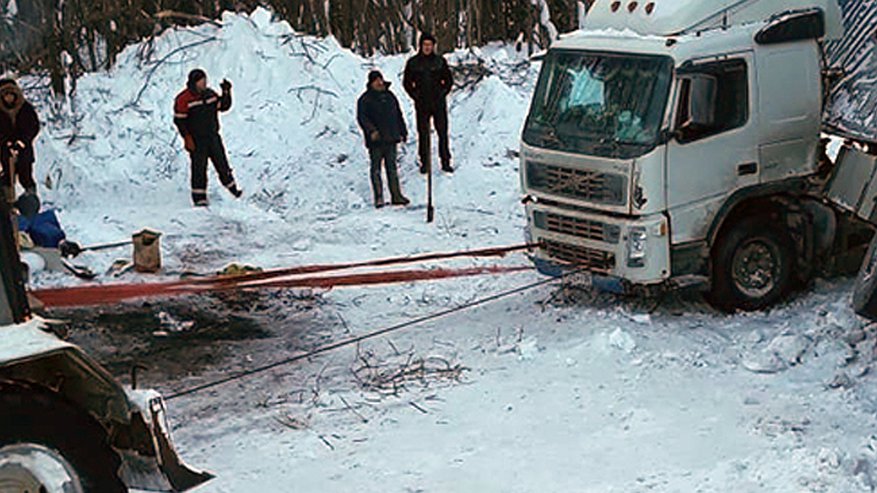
(196, 115)
(428, 80)
(380, 117)
(19, 127)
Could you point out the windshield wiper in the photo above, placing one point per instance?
(613, 143)
(552, 133)
(617, 143)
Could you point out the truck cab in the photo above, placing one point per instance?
(676, 142)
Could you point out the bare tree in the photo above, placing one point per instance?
(66, 38)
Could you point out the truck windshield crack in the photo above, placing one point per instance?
(599, 103)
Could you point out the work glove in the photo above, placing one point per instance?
(70, 249)
(226, 85)
(189, 142)
(15, 147)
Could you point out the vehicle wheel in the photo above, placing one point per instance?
(865, 293)
(48, 445)
(752, 266)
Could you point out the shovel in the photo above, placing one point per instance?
(9, 188)
(430, 208)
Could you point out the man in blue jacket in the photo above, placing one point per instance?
(380, 117)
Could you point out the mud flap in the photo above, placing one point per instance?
(153, 464)
(865, 294)
(179, 475)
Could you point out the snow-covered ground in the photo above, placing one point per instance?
(593, 395)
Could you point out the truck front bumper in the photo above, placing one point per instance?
(617, 250)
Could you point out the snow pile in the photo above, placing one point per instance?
(295, 146)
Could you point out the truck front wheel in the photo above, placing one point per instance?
(48, 445)
(865, 293)
(752, 266)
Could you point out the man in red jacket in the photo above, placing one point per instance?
(19, 127)
(196, 115)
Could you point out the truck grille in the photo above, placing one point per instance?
(589, 258)
(590, 186)
(580, 228)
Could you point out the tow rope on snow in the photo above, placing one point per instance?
(352, 341)
(295, 277)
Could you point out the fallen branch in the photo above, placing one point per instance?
(418, 407)
(162, 61)
(173, 14)
(354, 411)
(393, 377)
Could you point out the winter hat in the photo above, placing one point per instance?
(195, 76)
(28, 204)
(427, 37)
(374, 75)
(9, 86)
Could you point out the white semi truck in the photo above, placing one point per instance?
(674, 142)
(66, 425)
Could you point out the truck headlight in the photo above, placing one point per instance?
(637, 246)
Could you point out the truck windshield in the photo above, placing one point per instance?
(599, 104)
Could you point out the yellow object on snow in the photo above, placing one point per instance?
(238, 270)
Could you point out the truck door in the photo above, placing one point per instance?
(713, 151)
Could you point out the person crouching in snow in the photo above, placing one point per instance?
(380, 117)
(19, 127)
(196, 115)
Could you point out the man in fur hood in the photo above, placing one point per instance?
(19, 127)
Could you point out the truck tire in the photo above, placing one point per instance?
(752, 266)
(865, 292)
(48, 442)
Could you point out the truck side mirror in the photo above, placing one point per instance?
(702, 94)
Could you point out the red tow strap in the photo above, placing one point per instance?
(296, 277)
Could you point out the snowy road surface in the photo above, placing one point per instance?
(590, 399)
(561, 391)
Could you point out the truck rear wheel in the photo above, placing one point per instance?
(48, 445)
(752, 266)
(865, 293)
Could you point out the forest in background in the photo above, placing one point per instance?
(66, 38)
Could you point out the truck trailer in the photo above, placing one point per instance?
(686, 142)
